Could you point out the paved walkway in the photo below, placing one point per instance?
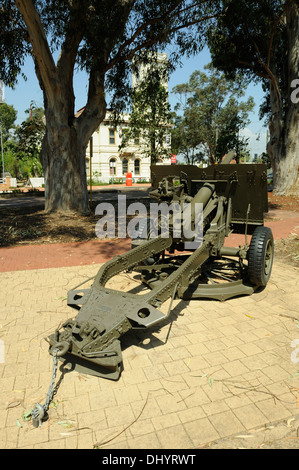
(214, 371)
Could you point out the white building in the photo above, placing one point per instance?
(108, 161)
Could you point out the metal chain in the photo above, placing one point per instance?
(39, 410)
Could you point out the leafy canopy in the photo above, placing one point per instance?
(31, 131)
(22, 143)
(103, 37)
(150, 116)
(212, 116)
(8, 115)
(251, 39)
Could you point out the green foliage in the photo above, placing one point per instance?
(14, 45)
(122, 28)
(30, 166)
(251, 39)
(21, 166)
(30, 133)
(117, 180)
(11, 163)
(8, 115)
(212, 116)
(96, 179)
(150, 116)
(265, 158)
(142, 180)
(21, 148)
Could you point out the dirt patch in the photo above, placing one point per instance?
(287, 250)
(32, 226)
(29, 226)
(286, 203)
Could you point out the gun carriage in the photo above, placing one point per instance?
(233, 198)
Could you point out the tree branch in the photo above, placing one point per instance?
(270, 74)
(245, 64)
(41, 51)
(150, 40)
(141, 28)
(287, 3)
(73, 37)
(95, 109)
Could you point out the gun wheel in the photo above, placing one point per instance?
(260, 256)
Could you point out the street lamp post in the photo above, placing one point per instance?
(1, 102)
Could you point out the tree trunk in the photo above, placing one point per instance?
(289, 183)
(290, 171)
(286, 179)
(275, 146)
(63, 159)
(283, 147)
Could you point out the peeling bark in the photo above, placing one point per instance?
(290, 169)
(283, 146)
(276, 147)
(64, 150)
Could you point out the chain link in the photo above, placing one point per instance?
(39, 410)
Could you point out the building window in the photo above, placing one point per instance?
(168, 139)
(125, 166)
(124, 136)
(137, 139)
(112, 167)
(137, 167)
(111, 136)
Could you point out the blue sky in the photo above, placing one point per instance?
(27, 91)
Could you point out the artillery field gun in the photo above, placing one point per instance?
(233, 198)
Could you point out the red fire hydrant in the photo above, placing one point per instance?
(129, 179)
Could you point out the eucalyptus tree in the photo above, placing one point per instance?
(150, 116)
(212, 116)
(30, 133)
(260, 39)
(101, 38)
(8, 115)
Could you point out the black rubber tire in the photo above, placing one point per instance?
(260, 256)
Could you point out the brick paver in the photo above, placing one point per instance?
(213, 370)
